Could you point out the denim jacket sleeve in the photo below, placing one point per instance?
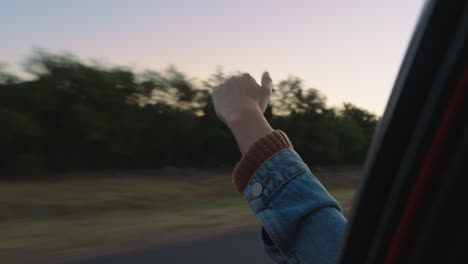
(301, 221)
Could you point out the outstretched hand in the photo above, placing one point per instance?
(240, 103)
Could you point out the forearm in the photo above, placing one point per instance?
(301, 221)
(248, 128)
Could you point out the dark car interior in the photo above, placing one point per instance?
(410, 208)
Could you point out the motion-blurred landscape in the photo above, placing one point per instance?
(96, 157)
(110, 149)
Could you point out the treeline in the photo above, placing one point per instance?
(71, 115)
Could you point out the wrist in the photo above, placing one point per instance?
(248, 127)
(234, 121)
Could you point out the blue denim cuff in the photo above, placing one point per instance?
(301, 221)
(271, 176)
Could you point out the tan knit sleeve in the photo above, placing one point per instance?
(258, 153)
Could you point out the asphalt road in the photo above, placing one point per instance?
(239, 247)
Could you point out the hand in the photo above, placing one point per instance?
(241, 94)
(240, 103)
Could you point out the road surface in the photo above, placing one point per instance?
(239, 247)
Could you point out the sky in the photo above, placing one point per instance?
(349, 50)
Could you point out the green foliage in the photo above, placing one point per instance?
(290, 98)
(73, 115)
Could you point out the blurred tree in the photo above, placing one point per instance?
(291, 97)
(72, 115)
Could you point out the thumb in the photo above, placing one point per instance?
(266, 81)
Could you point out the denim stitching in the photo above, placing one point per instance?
(260, 207)
(261, 166)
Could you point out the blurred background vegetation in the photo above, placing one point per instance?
(70, 115)
(95, 156)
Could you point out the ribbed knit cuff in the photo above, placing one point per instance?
(258, 153)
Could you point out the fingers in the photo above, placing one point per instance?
(266, 81)
(247, 78)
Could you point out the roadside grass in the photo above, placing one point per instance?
(53, 217)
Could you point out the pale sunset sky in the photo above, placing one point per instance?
(349, 50)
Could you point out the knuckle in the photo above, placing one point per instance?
(246, 76)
